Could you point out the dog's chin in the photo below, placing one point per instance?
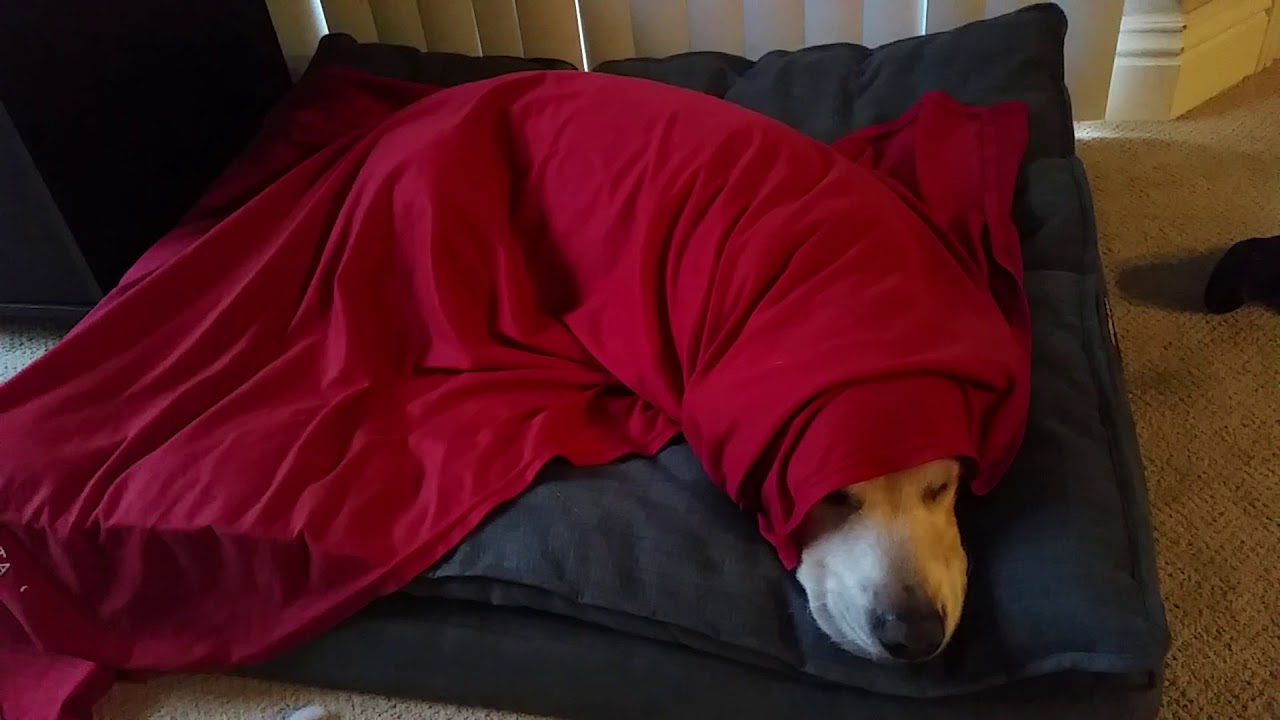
(842, 601)
(851, 638)
(855, 637)
(835, 610)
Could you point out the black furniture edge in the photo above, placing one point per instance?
(125, 112)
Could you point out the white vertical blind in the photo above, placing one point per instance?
(771, 25)
(398, 22)
(498, 25)
(588, 32)
(1091, 53)
(450, 26)
(661, 27)
(884, 21)
(715, 25)
(299, 26)
(606, 29)
(941, 15)
(1001, 7)
(549, 29)
(353, 17)
(832, 21)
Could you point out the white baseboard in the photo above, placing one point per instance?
(1168, 63)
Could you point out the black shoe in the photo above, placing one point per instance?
(1248, 272)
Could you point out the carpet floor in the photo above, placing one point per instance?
(1170, 197)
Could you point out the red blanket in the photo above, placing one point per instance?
(402, 301)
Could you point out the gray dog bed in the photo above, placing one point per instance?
(637, 590)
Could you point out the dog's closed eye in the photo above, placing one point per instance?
(844, 501)
(934, 493)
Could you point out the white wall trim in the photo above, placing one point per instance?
(1167, 63)
(1271, 41)
(1153, 35)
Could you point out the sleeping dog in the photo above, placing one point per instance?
(883, 565)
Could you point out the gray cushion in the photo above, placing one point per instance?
(647, 549)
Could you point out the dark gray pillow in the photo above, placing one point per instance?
(406, 63)
(1062, 569)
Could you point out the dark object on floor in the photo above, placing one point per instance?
(119, 114)
(1249, 272)
(635, 590)
(42, 273)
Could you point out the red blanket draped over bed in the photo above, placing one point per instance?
(402, 301)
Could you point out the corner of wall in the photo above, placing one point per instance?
(1169, 60)
(1271, 41)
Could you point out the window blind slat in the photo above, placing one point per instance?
(498, 26)
(549, 29)
(606, 27)
(1091, 53)
(943, 15)
(398, 22)
(716, 25)
(299, 26)
(832, 21)
(450, 26)
(353, 17)
(884, 21)
(772, 25)
(660, 27)
(1001, 7)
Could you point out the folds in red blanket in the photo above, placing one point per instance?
(401, 302)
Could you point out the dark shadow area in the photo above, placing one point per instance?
(1171, 282)
(1168, 208)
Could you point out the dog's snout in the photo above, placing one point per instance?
(910, 630)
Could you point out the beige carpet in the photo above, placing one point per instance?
(1205, 391)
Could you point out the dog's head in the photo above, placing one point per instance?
(883, 566)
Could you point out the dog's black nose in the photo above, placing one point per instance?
(911, 630)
